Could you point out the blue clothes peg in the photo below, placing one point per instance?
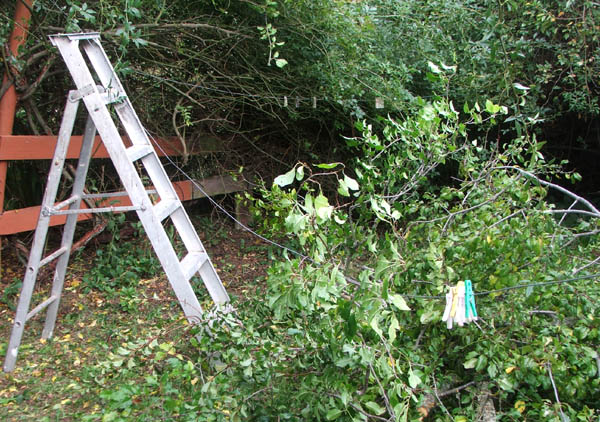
(471, 311)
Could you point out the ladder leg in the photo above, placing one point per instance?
(41, 231)
(69, 229)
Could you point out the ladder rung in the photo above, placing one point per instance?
(166, 207)
(53, 256)
(136, 152)
(40, 307)
(192, 263)
(64, 203)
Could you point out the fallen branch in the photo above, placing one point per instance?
(429, 401)
(562, 415)
(593, 210)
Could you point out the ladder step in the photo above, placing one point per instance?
(63, 204)
(166, 207)
(40, 307)
(137, 152)
(192, 263)
(53, 256)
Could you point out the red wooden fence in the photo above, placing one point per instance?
(14, 147)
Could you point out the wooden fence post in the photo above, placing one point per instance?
(8, 102)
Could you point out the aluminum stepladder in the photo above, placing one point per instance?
(98, 91)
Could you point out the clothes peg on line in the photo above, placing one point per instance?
(449, 302)
(460, 305)
(471, 310)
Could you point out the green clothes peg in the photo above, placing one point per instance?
(471, 311)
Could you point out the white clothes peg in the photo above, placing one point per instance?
(446, 317)
(460, 307)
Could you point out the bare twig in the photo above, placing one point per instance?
(562, 415)
(593, 210)
(358, 409)
(437, 396)
(388, 406)
(179, 26)
(419, 337)
(42, 75)
(508, 217)
(582, 212)
(565, 215)
(594, 262)
(551, 313)
(456, 389)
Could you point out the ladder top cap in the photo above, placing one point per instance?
(75, 36)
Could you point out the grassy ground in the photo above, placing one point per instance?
(117, 335)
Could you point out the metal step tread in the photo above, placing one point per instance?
(136, 152)
(166, 207)
(192, 263)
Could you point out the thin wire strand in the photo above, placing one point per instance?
(221, 208)
(307, 258)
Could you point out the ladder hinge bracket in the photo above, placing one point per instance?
(78, 94)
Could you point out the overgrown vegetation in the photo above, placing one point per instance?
(378, 216)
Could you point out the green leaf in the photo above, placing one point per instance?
(470, 364)
(491, 108)
(399, 302)
(343, 188)
(333, 414)
(375, 326)
(308, 203)
(351, 183)
(521, 87)
(505, 384)
(327, 166)
(374, 407)
(413, 379)
(492, 370)
(300, 173)
(434, 68)
(281, 62)
(394, 326)
(351, 327)
(285, 179)
(110, 416)
(322, 207)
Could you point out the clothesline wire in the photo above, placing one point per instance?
(516, 287)
(291, 97)
(307, 258)
(221, 208)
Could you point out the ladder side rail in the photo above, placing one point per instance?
(39, 240)
(179, 217)
(104, 69)
(130, 179)
(138, 135)
(132, 124)
(69, 228)
(213, 283)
